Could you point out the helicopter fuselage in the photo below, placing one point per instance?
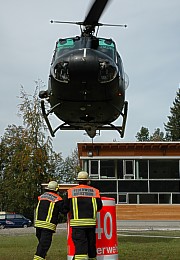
(86, 84)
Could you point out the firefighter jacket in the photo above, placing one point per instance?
(82, 202)
(47, 211)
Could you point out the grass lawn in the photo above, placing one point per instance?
(131, 246)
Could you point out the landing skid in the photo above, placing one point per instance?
(66, 126)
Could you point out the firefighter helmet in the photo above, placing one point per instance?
(83, 176)
(53, 185)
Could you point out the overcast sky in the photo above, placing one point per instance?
(149, 47)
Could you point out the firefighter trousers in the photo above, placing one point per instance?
(44, 237)
(84, 239)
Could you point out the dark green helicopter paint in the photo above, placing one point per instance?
(86, 88)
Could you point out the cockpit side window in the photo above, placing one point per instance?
(107, 47)
(120, 66)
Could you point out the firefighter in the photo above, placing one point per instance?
(50, 204)
(82, 202)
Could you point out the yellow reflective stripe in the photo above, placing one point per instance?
(36, 257)
(80, 257)
(94, 203)
(44, 224)
(50, 211)
(83, 222)
(75, 208)
(37, 209)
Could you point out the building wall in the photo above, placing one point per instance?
(148, 212)
(139, 176)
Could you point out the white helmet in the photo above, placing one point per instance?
(52, 185)
(83, 176)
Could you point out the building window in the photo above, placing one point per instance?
(165, 199)
(164, 169)
(120, 169)
(94, 169)
(148, 198)
(128, 169)
(164, 185)
(105, 186)
(132, 186)
(123, 198)
(132, 198)
(107, 169)
(176, 199)
(143, 169)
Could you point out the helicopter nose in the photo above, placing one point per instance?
(83, 64)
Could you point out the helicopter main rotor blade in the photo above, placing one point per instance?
(66, 22)
(95, 12)
(112, 25)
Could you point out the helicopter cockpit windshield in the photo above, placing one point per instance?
(107, 46)
(65, 45)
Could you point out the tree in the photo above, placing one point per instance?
(157, 136)
(172, 127)
(70, 167)
(27, 158)
(143, 134)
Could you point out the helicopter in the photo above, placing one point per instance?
(87, 82)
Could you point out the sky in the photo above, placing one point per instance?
(149, 48)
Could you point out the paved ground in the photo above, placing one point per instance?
(29, 230)
(121, 225)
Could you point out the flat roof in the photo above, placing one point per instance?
(98, 149)
(130, 143)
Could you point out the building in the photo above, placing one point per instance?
(142, 177)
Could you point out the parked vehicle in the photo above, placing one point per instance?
(13, 220)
